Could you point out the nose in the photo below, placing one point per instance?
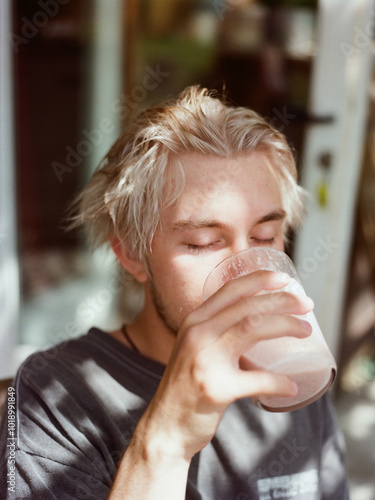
(240, 243)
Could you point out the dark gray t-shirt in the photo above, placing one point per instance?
(77, 405)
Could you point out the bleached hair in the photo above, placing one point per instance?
(131, 187)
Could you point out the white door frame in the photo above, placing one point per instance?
(9, 273)
(340, 88)
(105, 89)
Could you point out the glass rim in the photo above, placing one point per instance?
(246, 251)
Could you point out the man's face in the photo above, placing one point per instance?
(227, 205)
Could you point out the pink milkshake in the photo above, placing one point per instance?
(308, 361)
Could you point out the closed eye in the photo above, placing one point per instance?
(200, 248)
(266, 241)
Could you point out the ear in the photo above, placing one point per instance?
(132, 264)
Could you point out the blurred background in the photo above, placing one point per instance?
(74, 73)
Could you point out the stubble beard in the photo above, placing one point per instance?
(161, 308)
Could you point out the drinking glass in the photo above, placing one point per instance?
(307, 361)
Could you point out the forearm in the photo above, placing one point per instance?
(151, 470)
(202, 378)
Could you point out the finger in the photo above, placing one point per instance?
(256, 328)
(249, 311)
(240, 384)
(239, 288)
(253, 329)
(260, 382)
(277, 303)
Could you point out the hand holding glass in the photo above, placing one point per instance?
(308, 361)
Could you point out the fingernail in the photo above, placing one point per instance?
(306, 325)
(295, 388)
(283, 277)
(307, 301)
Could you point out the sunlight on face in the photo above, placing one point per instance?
(227, 205)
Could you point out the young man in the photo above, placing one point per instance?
(161, 408)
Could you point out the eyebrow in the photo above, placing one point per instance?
(272, 216)
(191, 224)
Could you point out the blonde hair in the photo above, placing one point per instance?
(130, 189)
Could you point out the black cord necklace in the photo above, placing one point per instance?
(126, 335)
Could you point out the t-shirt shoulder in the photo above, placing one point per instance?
(94, 348)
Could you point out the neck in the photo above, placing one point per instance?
(152, 341)
(152, 337)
